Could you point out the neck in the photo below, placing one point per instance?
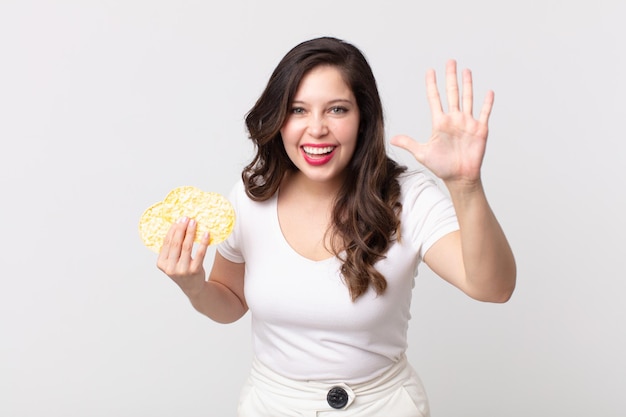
(307, 188)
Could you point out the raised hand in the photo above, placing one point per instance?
(457, 145)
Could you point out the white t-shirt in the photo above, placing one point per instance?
(305, 326)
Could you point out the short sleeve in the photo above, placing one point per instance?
(427, 212)
(231, 247)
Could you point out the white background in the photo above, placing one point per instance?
(107, 105)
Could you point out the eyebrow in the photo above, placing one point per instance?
(334, 101)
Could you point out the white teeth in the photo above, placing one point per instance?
(318, 151)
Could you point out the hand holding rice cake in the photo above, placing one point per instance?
(212, 212)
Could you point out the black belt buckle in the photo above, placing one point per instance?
(337, 397)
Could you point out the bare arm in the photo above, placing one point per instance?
(221, 298)
(477, 259)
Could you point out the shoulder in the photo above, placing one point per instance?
(237, 189)
(237, 195)
(427, 210)
(242, 202)
(414, 184)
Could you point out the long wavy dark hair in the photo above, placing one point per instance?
(366, 212)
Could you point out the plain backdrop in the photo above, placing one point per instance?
(107, 105)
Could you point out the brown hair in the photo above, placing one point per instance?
(366, 212)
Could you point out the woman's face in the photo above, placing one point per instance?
(320, 133)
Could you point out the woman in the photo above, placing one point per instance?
(330, 232)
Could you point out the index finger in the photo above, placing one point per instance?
(432, 93)
(164, 252)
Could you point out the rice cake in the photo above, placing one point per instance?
(212, 212)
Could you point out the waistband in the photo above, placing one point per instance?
(316, 393)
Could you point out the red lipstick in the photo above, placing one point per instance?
(318, 154)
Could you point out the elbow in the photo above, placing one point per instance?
(499, 293)
(222, 318)
(502, 297)
(503, 288)
(499, 297)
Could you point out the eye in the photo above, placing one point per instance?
(297, 110)
(338, 110)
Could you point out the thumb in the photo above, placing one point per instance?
(410, 145)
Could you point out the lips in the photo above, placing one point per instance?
(318, 154)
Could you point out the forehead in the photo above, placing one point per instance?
(323, 80)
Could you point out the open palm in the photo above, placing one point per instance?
(456, 147)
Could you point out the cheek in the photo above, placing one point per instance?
(348, 133)
(289, 133)
(284, 135)
(290, 142)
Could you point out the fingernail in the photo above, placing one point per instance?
(182, 219)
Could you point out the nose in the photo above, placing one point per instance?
(317, 126)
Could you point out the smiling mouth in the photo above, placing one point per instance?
(318, 151)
